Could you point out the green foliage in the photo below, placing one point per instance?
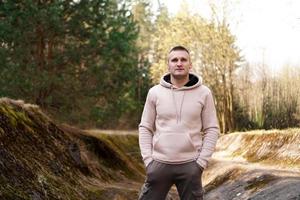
(66, 55)
(91, 63)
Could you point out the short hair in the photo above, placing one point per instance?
(179, 48)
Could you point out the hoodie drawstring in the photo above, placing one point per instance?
(178, 115)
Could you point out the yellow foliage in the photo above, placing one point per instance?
(211, 45)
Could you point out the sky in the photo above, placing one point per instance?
(267, 31)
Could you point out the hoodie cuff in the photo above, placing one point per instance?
(202, 163)
(148, 161)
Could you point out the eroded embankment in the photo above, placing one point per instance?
(256, 165)
(230, 176)
(276, 147)
(42, 160)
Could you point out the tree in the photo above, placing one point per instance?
(141, 10)
(68, 56)
(270, 101)
(213, 53)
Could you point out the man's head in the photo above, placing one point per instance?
(179, 62)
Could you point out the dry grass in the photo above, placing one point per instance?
(279, 147)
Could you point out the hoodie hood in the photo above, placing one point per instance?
(194, 81)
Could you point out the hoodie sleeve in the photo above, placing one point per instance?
(210, 129)
(147, 127)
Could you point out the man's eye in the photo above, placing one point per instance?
(183, 60)
(174, 60)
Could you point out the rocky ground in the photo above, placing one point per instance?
(255, 165)
(237, 180)
(234, 175)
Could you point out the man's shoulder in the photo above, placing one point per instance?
(203, 89)
(152, 91)
(155, 88)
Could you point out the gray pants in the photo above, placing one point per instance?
(161, 177)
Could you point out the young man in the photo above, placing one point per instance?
(178, 131)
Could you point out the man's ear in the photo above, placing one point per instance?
(191, 66)
(168, 66)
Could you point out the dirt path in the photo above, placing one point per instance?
(235, 179)
(113, 132)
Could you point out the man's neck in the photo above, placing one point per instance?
(178, 83)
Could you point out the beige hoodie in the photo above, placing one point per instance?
(178, 125)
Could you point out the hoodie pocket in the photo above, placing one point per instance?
(174, 146)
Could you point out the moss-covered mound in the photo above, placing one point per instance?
(125, 144)
(280, 147)
(41, 160)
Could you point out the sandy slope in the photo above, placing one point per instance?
(231, 177)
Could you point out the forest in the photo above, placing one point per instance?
(91, 63)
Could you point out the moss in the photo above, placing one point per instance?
(95, 194)
(112, 193)
(128, 144)
(27, 150)
(7, 111)
(117, 164)
(17, 117)
(38, 160)
(128, 150)
(54, 187)
(12, 193)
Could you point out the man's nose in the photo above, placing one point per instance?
(179, 63)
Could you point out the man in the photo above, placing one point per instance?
(178, 131)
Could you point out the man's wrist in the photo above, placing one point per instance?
(148, 161)
(201, 163)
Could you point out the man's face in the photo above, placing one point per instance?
(179, 64)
